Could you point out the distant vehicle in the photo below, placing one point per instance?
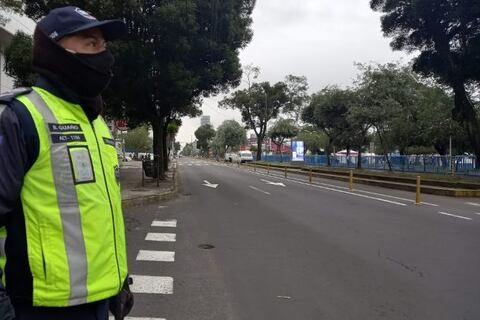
(242, 156)
(245, 156)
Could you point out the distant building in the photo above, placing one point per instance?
(205, 120)
(15, 23)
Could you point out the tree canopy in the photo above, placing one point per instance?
(204, 135)
(229, 137)
(175, 53)
(258, 105)
(446, 34)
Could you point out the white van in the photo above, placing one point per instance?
(245, 156)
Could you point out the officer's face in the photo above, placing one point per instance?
(90, 41)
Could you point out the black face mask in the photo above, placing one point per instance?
(97, 72)
(86, 74)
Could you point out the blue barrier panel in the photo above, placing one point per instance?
(462, 165)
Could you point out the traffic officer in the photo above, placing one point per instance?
(59, 184)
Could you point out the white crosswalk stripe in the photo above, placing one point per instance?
(165, 223)
(161, 256)
(163, 237)
(152, 284)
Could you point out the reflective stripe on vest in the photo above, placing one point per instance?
(3, 238)
(68, 205)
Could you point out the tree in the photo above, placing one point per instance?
(189, 150)
(137, 140)
(175, 53)
(204, 135)
(389, 103)
(315, 140)
(18, 60)
(328, 111)
(229, 137)
(298, 98)
(446, 35)
(281, 130)
(258, 105)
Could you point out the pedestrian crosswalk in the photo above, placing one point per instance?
(155, 284)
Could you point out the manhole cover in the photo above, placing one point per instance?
(206, 246)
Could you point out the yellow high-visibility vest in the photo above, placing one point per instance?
(72, 206)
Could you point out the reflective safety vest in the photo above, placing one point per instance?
(72, 206)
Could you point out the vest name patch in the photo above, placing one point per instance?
(108, 141)
(65, 127)
(64, 138)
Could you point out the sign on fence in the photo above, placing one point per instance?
(298, 151)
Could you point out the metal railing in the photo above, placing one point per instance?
(462, 165)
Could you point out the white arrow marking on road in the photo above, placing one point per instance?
(273, 183)
(210, 185)
(259, 190)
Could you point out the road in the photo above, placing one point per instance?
(239, 244)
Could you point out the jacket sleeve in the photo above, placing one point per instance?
(13, 160)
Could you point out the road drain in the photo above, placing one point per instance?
(206, 246)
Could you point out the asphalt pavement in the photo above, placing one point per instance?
(239, 244)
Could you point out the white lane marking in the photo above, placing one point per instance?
(345, 192)
(210, 185)
(152, 284)
(165, 223)
(161, 207)
(273, 183)
(366, 192)
(163, 256)
(455, 216)
(137, 318)
(164, 237)
(259, 190)
(477, 213)
(473, 204)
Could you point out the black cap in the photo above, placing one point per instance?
(64, 21)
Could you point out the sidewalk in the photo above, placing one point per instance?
(134, 194)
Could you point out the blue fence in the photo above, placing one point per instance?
(414, 163)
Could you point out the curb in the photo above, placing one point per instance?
(142, 200)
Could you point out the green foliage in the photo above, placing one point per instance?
(282, 129)
(204, 135)
(258, 105)
(189, 150)
(18, 60)
(138, 140)
(298, 98)
(229, 137)
(314, 139)
(446, 35)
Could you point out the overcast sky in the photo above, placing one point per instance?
(319, 39)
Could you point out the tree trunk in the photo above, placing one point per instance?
(259, 147)
(327, 152)
(359, 159)
(157, 127)
(465, 113)
(385, 152)
(164, 148)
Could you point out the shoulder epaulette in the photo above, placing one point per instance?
(9, 96)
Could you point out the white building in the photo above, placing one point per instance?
(15, 23)
(205, 120)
